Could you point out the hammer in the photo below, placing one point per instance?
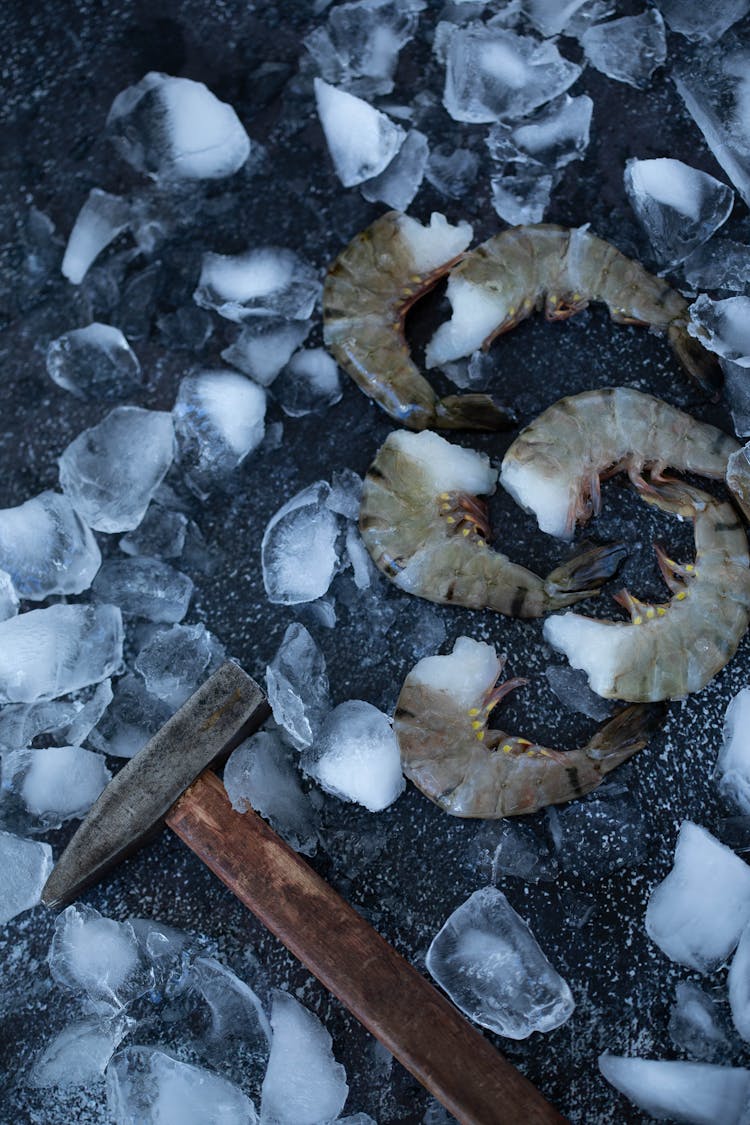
(169, 780)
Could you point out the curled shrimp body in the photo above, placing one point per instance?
(554, 466)
(667, 651)
(425, 527)
(504, 280)
(471, 770)
(367, 294)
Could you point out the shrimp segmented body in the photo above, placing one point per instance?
(425, 527)
(504, 280)
(554, 466)
(667, 651)
(367, 294)
(471, 770)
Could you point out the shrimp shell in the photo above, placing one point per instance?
(447, 750)
(425, 528)
(504, 280)
(668, 651)
(554, 465)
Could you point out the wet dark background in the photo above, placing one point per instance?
(62, 66)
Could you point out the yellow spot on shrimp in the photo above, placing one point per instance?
(480, 735)
(512, 311)
(650, 613)
(477, 725)
(474, 711)
(681, 596)
(638, 620)
(450, 519)
(445, 495)
(506, 749)
(576, 296)
(689, 568)
(661, 611)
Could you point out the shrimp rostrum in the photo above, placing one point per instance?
(425, 526)
(469, 769)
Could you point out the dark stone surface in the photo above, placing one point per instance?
(63, 64)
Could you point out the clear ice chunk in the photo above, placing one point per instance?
(629, 49)
(133, 717)
(176, 129)
(175, 661)
(678, 207)
(79, 1054)
(186, 329)
(308, 384)
(492, 74)
(95, 362)
(145, 1085)
(356, 756)
(269, 281)
(506, 847)
(55, 784)
(714, 84)
(697, 913)
(299, 548)
(145, 588)
(570, 685)
(303, 1085)
(694, 1024)
(49, 652)
(522, 197)
(25, 866)
(397, 184)
(697, 20)
(452, 171)
(108, 486)
(550, 17)
(598, 835)
(98, 958)
(738, 983)
(691, 1092)
(488, 961)
(723, 327)
(234, 1008)
(345, 496)
(733, 765)
(9, 600)
(63, 722)
(160, 534)
(219, 418)
(297, 686)
(361, 140)
(719, 264)
(554, 136)
(266, 345)
(101, 219)
(46, 548)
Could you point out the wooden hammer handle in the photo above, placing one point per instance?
(385, 993)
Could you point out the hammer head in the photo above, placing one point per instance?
(227, 708)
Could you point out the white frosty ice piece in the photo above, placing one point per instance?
(78, 1056)
(100, 220)
(690, 1092)
(304, 1085)
(698, 20)
(733, 765)
(95, 362)
(145, 1085)
(492, 73)
(46, 548)
(449, 467)
(397, 184)
(49, 652)
(174, 661)
(678, 207)
(362, 141)
(99, 958)
(488, 961)
(723, 327)
(219, 418)
(57, 783)
(25, 866)
(297, 686)
(176, 129)
(356, 756)
(264, 346)
(107, 484)
(696, 915)
(267, 281)
(629, 49)
(298, 550)
(144, 587)
(309, 383)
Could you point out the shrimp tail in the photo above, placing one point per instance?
(702, 366)
(584, 574)
(473, 412)
(630, 730)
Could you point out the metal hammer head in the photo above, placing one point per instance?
(227, 708)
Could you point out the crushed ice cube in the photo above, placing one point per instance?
(488, 961)
(492, 73)
(303, 1083)
(100, 220)
(678, 207)
(266, 345)
(175, 661)
(399, 182)
(299, 548)
(522, 197)
(260, 775)
(308, 384)
(65, 722)
(570, 685)
(79, 1054)
(55, 784)
(144, 587)
(629, 49)
(696, 1093)
(235, 1009)
(554, 136)
(297, 686)
(362, 564)
(733, 765)
(697, 20)
(9, 600)
(356, 756)
(506, 847)
(25, 866)
(160, 534)
(697, 913)
(452, 171)
(694, 1024)
(97, 957)
(95, 362)
(550, 17)
(345, 496)
(105, 483)
(186, 329)
(176, 129)
(49, 652)
(723, 327)
(598, 835)
(719, 264)
(219, 418)
(738, 983)
(269, 281)
(133, 717)
(46, 548)
(362, 141)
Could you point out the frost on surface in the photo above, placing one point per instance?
(362, 141)
(297, 686)
(356, 756)
(692, 1092)
(55, 784)
(46, 548)
(299, 548)
(95, 362)
(267, 281)
(25, 866)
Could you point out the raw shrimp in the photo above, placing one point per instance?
(471, 770)
(554, 465)
(524, 268)
(367, 294)
(425, 528)
(667, 651)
